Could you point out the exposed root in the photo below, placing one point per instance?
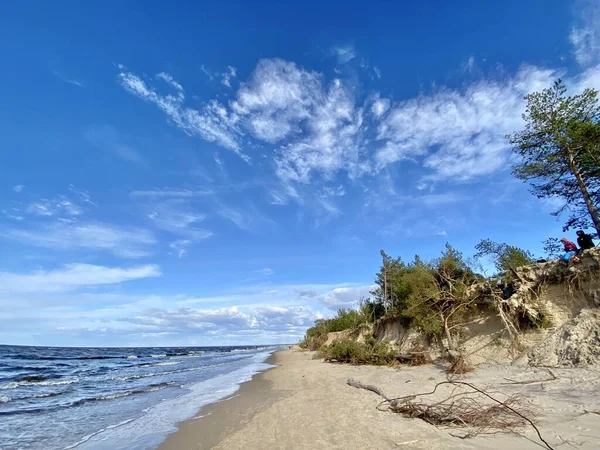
(459, 366)
(474, 409)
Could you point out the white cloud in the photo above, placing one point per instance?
(266, 271)
(169, 79)
(470, 65)
(171, 193)
(226, 76)
(207, 72)
(213, 122)
(248, 218)
(319, 129)
(377, 71)
(467, 127)
(344, 53)
(339, 297)
(108, 139)
(121, 241)
(73, 276)
(180, 246)
(585, 38)
(54, 207)
(228, 321)
(380, 106)
(276, 99)
(69, 80)
(83, 195)
(18, 188)
(178, 217)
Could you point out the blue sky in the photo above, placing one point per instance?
(227, 172)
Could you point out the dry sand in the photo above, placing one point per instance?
(306, 404)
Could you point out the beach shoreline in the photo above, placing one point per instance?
(305, 403)
(213, 421)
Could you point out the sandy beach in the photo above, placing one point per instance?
(306, 404)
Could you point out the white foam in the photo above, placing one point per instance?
(4, 399)
(158, 421)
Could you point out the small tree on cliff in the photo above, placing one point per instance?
(559, 151)
(440, 299)
(506, 257)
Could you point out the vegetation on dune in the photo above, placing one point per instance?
(559, 155)
(346, 319)
(349, 351)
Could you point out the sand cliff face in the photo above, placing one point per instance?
(552, 319)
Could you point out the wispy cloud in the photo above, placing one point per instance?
(466, 127)
(266, 271)
(339, 297)
(319, 129)
(18, 188)
(170, 80)
(377, 71)
(228, 75)
(121, 241)
(171, 193)
(73, 276)
(108, 139)
(585, 37)
(180, 246)
(58, 206)
(213, 123)
(344, 53)
(248, 218)
(69, 80)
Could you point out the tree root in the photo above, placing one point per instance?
(474, 409)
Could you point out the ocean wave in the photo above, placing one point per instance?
(162, 355)
(102, 430)
(66, 358)
(116, 395)
(166, 372)
(132, 357)
(25, 381)
(6, 399)
(35, 378)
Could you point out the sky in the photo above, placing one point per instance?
(221, 173)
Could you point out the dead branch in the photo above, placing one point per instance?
(552, 378)
(475, 409)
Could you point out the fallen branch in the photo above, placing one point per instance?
(461, 409)
(552, 378)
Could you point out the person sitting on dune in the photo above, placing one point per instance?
(585, 241)
(570, 251)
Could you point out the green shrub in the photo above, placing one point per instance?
(346, 319)
(349, 351)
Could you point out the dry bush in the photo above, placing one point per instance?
(466, 406)
(419, 359)
(459, 366)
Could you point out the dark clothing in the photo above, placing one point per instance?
(585, 241)
(569, 246)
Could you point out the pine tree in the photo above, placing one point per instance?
(559, 151)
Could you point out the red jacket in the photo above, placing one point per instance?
(569, 246)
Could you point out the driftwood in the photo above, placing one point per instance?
(474, 409)
(552, 378)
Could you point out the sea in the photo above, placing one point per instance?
(113, 398)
